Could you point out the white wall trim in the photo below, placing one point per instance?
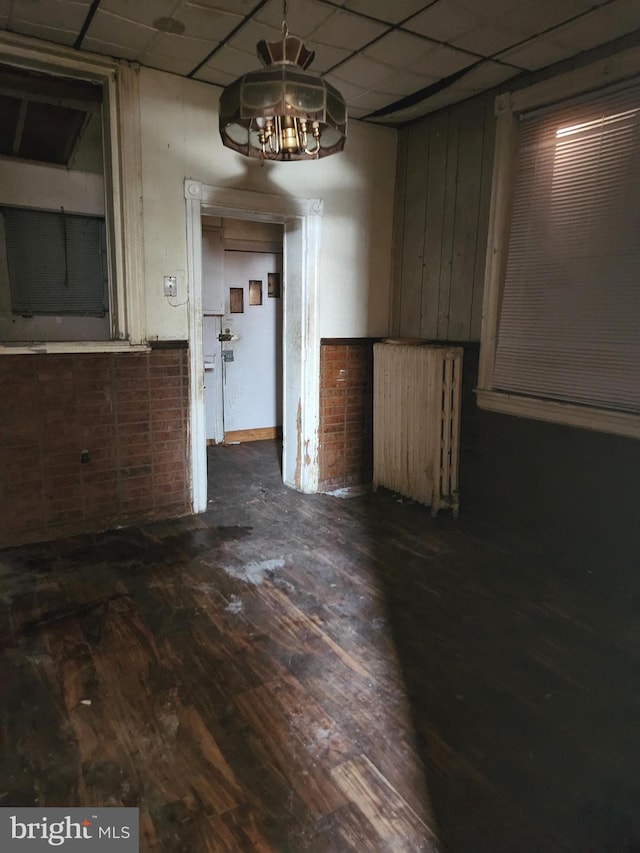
(596, 75)
(123, 165)
(602, 420)
(62, 347)
(244, 204)
(133, 317)
(197, 426)
(503, 180)
(31, 53)
(301, 345)
(508, 107)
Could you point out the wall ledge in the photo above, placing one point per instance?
(568, 414)
(62, 347)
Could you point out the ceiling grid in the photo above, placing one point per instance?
(394, 60)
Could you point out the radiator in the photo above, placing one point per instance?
(416, 421)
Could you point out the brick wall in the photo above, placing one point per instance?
(128, 410)
(346, 412)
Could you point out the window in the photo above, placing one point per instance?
(561, 330)
(56, 263)
(71, 253)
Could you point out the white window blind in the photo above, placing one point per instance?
(569, 326)
(56, 262)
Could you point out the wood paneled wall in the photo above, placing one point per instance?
(442, 212)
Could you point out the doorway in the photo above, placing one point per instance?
(301, 219)
(242, 329)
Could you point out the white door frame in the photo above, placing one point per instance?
(301, 218)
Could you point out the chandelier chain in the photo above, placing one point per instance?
(285, 28)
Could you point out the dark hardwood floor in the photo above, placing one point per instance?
(304, 673)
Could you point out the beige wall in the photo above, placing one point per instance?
(180, 140)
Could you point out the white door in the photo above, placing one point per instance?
(252, 359)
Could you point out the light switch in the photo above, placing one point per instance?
(170, 285)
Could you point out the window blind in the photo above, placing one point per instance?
(569, 325)
(56, 262)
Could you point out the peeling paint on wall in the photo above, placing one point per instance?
(296, 476)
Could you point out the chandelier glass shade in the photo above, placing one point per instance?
(283, 111)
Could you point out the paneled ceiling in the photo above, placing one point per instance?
(393, 60)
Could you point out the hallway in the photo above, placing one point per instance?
(291, 673)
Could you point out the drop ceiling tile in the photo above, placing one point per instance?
(326, 56)
(600, 26)
(247, 38)
(398, 49)
(392, 12)
(491, 10)
(537, 16)
(444, 21)
(3, 22)
(587, 5)
(362, 72)
(205, 23)
(627, 11)
(232, 61)
(357, 112)
(142, 11)
(371, 101)
(218, 78)
(488, 39)
(54, 14)
(238, 7)
(178, 54)
(348, 31)
(404, 82)
(112, 29)
(118, 51)
(57, 36)
(349, 90)
(169, 64)
(441, 61)
(303, 16)
(416, 111)
(486, 75)
(537, 53)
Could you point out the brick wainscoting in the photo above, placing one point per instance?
(128, 410)
(346, 412)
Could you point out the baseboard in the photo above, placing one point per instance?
(261, 434)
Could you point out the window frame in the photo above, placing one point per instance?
(123, 186)
(508, 108)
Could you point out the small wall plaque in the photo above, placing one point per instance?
(273, 285)
(236, 300)
(227, 355)
(255, 292)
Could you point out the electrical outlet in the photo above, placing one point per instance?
(170, 285)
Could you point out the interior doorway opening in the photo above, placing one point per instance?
(301, 220)
(242, 301)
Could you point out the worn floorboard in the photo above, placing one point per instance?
(304, 673)
(243, 693)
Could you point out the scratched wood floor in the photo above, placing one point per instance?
(244, 688)
(304, 673)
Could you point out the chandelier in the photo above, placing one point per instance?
(283, 111)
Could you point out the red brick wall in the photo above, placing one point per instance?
(346, 412)
(129, 410)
